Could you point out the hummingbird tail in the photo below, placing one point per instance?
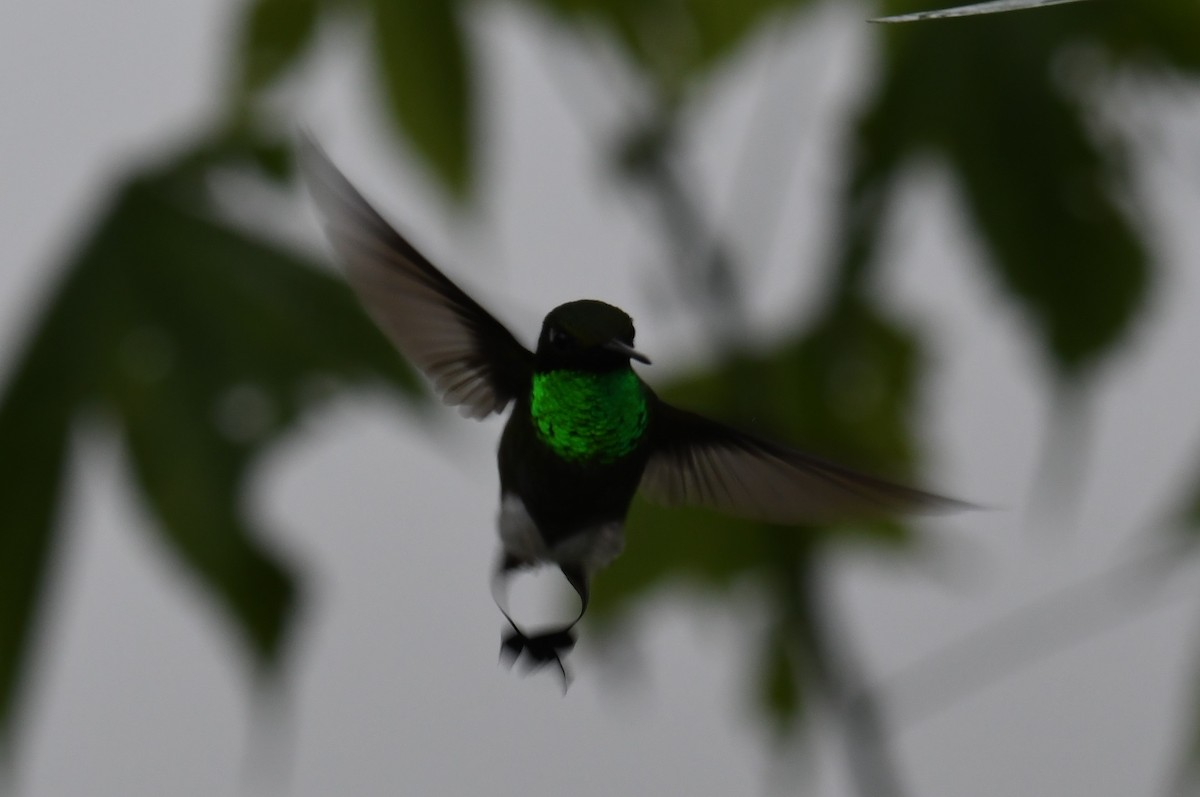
(547, 647)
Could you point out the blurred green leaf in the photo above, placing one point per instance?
(675, 41)
(1045, 190)
(423, 60)
(204, 345)
(1154, 33)
(241, 147)
(274, 34)
(722, 26)
(1188, 521)
(844, 390)
(218, 339)
(781, 690)
(35, 414)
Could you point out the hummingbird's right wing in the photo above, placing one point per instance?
(698, 462)
(473, 360)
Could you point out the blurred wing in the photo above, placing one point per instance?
(699, 462)
(991, 7)
(474, 362)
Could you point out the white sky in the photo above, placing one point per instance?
(138, 688)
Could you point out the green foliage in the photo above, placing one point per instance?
(425, 67)
(845, 389)
(274, 34)
(202, 345)
(423, 63)
(781, 690)
(422, 60)
(1044, 188)
(35, 414)
(674, 42)
(1149, 33)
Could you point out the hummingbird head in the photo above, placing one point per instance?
(587, 335)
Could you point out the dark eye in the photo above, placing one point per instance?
(558, 338)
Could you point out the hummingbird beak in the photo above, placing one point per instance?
(622, 347)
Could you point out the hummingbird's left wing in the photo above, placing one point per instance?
(473, 360)
(699, 462)
(988, 7)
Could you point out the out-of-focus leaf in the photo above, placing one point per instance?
(720, 25)
(204, 344)
(239, 147)
(35, 412)
(1149, 32)
(1187, 766)
(1042, 187)
(1192, 516)
(674, 42)
(843, 390)
(218, 341)
(781, 690)
(421, 54)
(1188, 520)
(274, 34)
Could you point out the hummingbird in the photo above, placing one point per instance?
(585, 433)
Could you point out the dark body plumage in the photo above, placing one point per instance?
(585, 433)
(564, 498)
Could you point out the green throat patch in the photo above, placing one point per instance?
(589, 417)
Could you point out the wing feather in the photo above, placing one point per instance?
(699, 462)
(472, 359)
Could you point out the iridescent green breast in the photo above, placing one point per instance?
(589, 417)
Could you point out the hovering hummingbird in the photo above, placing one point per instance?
(585, 432)
(972, 9)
